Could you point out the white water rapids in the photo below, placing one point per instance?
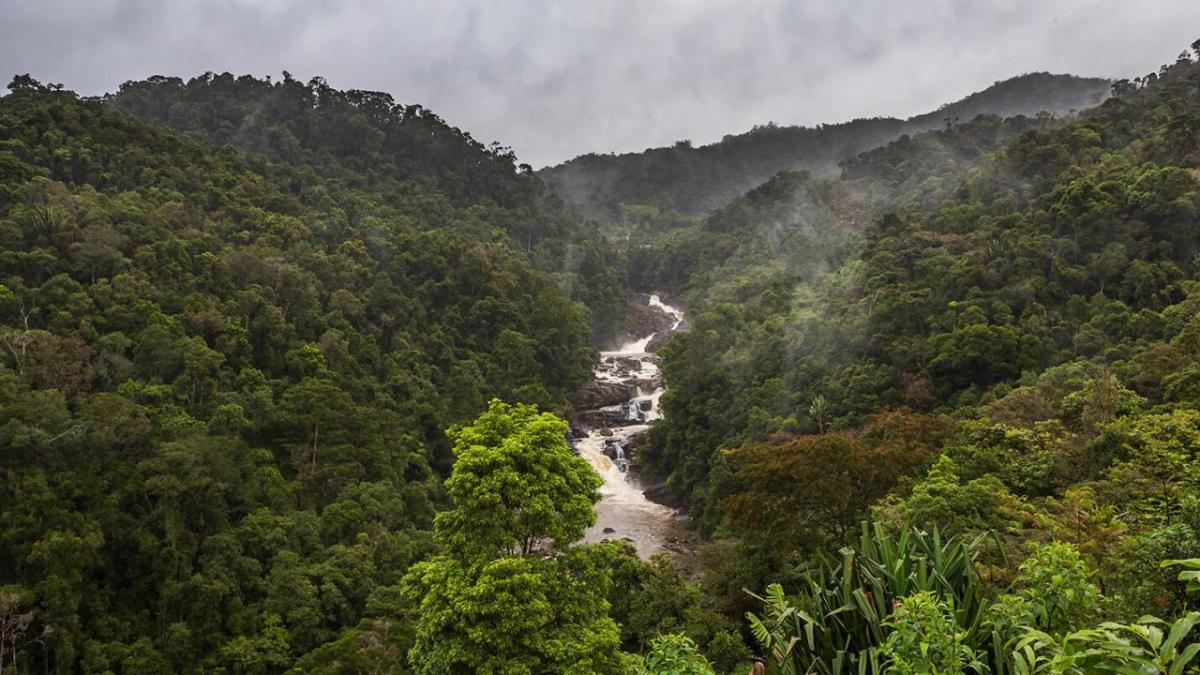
(623, 511)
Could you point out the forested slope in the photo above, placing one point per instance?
(936, 412)
(1018, 319)
(225, 384)
(404, 156)
(661, 187)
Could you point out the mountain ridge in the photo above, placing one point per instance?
(681, 181)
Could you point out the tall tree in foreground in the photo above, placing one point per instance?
(509, 595)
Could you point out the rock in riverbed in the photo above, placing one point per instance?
(643, 319)
(649, 384)
(659, 341)
(627, 363)
(600, 394)
(600, 419)
(661, 494)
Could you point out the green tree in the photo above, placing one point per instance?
(925, 638)
(516, 486)
(1053, 592)
(674, 654)
(260, 654)
(510, 595)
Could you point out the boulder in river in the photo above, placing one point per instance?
(642, 318)
(649, 384)
(635, 439)
(661, 494)
(628, 363)
(606, 432)
(600, 394)
(599, 419)
(608, 530)
(660, 340)
(645, 405)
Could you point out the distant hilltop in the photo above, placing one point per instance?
(696, 180)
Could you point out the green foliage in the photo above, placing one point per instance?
(261, 654)
(225, 378)
(674, 654)
(948, 272)
(1140, 647)
(1148, 646)
(1189, 574)
(374, 646)
(819, 486)
(1157, 461)
(838, 621)
(942, 499)
(508, 594)
(926, 639)
(517, 487)
(652, 598)
(518, 614)
(1056, 583)
(665, 182)
(405, 154)
(1034, 280)
(236, 324)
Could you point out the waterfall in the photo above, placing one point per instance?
(623, 511)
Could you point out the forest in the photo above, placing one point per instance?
(665, 186)
(285, 377)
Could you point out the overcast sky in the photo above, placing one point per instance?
(557, 78)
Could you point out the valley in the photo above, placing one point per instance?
(300, 379)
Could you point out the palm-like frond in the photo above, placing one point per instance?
(834, 624)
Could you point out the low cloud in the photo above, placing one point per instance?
(556, 79)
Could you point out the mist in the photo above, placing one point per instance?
(554, 81)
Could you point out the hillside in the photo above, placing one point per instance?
(671, 185)
(226, 383)
(404, 154)
(985, 356)
(286, 372)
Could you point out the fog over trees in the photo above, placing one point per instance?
(301, 379)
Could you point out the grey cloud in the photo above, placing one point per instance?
(556, 78)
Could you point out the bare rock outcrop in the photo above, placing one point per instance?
(662, 338)
(642, 318)
(661, 494)
(659, 341)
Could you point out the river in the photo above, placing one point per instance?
(623, 511)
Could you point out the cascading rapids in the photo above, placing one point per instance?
(623, 511)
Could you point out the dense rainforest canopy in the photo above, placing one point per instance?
(226, 379)
(283, 370)
(403, 156)
(983, 329)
